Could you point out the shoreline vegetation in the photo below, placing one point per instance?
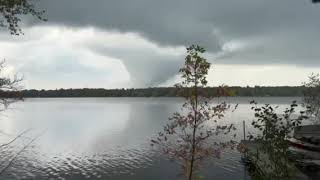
(256, 91)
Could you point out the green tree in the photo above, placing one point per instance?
(12, 10)
(186, 136)
(272, 155)
(311, 97)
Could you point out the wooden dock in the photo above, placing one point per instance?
(308, 131)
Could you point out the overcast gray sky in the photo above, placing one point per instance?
(141, 43)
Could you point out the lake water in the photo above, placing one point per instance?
(106, 138)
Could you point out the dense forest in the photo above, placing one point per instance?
(160, 92)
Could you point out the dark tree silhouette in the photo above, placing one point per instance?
(12, 10)
(9, 88)
(311, 97)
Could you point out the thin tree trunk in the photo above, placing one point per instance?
(192, 154)
(194, 133)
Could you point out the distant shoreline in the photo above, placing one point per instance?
(257, 91)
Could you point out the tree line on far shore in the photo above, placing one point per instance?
(257, 91)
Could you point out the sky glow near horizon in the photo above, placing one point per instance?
(141, 43)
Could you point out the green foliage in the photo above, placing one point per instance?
(11, 11)
(187, 135)
(311, 98)
(273, 154)
(195, 68)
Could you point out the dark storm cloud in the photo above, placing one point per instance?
(165, 22)
(244, 32)
(210, 23)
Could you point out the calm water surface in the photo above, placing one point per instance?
(105, 138)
